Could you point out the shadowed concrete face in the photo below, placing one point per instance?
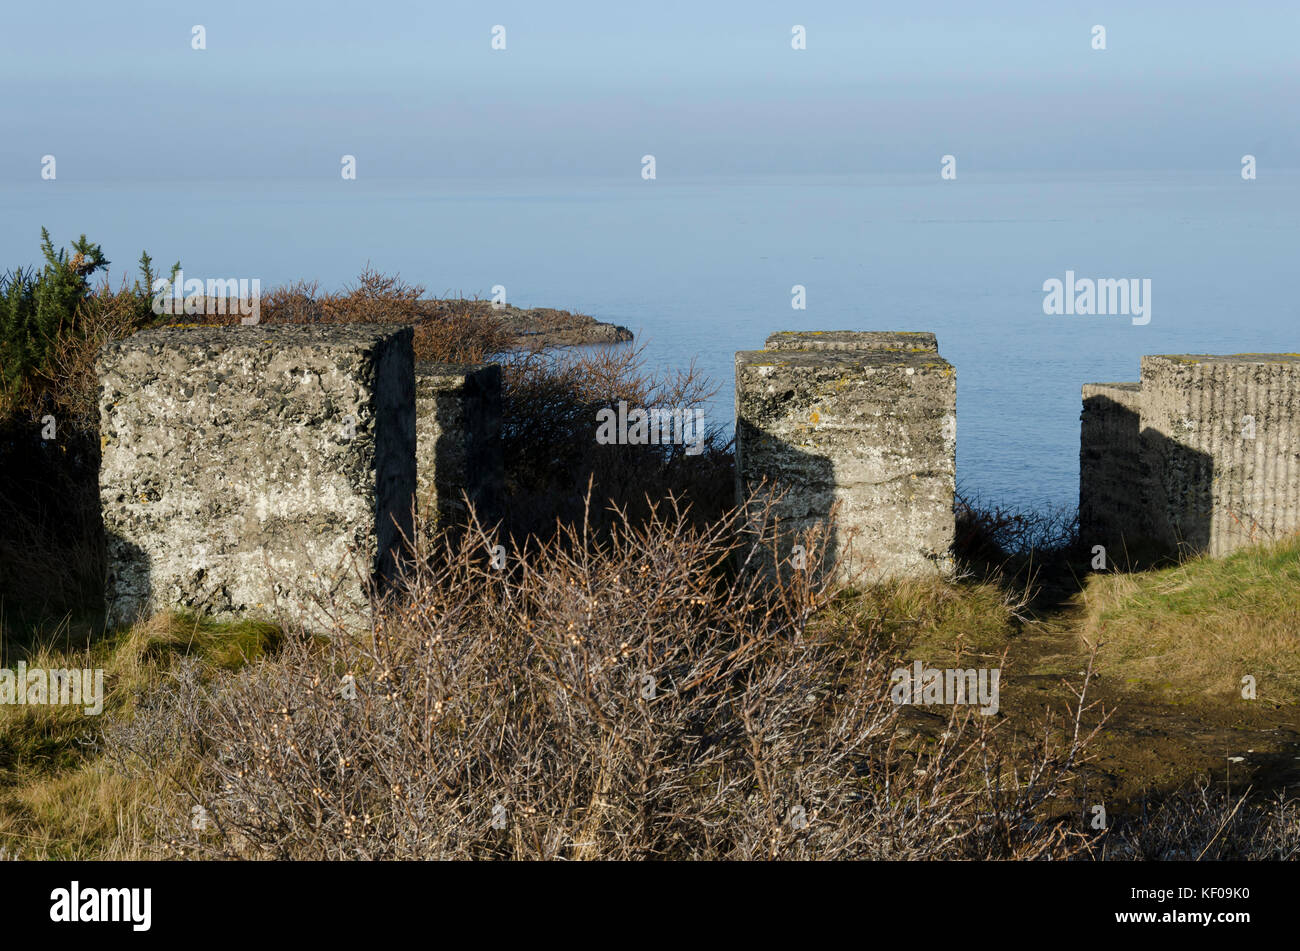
(872, 429)
(1202, 456)
(1112, 480)
(458, 433)
(241, 464)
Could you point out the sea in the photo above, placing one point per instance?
(701, 268)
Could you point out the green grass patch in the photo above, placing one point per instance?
(1199, 628)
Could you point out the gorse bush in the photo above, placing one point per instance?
(52, 321)
(37, 307)
(52, 324)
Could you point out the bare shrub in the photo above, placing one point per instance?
(445, 331)
(989, 533)
(549, 422)
(1204, 822)
(623, 697)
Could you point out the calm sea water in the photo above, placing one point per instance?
(702, 268)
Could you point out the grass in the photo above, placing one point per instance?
(59, 798)
(1196, 629)
(935, 619)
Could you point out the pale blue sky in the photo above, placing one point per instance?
(414, 89)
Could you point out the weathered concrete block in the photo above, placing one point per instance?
(458, 439)
(871, 429)
(852, 340)
(1221, 439)
(245, 463)
(1112, 476)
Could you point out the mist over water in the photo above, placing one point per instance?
(703, 267)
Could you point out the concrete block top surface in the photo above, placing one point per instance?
(189, 336)
(842, 360)
(1125, 391)
(439, 374)
(1130, 387)
(1243, 359)
(852, 340)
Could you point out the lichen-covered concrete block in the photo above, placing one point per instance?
(248, 464)
(852, 340)
(458, 438)
(1112, 477)
(1221, 439)
(871, 429)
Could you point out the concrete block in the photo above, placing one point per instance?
(872, 429)
(243, 464)
(1221, 439)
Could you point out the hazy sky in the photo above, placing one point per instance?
(114, 90)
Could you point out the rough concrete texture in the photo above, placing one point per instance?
(249, 463)
(1221, 439)
(871, 429)
(458, 439)
(852, 340)
(1112, 477)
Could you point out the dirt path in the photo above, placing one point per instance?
(1154, 740)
